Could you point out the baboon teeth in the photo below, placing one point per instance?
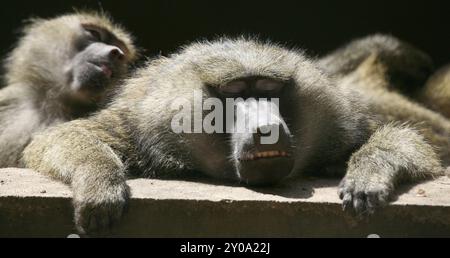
(264, 154)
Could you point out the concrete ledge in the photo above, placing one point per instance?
(32, 205)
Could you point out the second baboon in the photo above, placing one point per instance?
(391, 74)
(324, 124)
(62, 69)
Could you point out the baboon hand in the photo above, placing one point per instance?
(98, 209)
(362, 195)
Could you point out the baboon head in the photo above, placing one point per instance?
(266, 111)
(77, 57)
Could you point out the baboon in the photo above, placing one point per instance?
(391, 75)
(62, 69)
(326, 124)
(409, 76)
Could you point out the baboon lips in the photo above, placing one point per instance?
(263, 155)
(106, 70)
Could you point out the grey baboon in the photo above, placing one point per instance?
(390, 75)
(62, 69)
(327, 124)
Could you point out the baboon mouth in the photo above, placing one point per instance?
(264, 155)
(105, 69)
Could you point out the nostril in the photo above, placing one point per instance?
(116, 54)
(266, 130)
(263, 132)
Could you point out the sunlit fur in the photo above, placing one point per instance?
(340, 121)
(38, 94)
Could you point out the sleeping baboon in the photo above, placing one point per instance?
(62, 69)
(297, 119)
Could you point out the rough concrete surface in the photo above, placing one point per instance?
(33, 205)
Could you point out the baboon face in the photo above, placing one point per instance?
(98, 58)
(83, 54)
(260, 139)
(278, 111)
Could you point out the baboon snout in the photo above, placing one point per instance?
(116, 54)
(263, 152)
(108, 57)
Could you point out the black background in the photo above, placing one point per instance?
(319, 26)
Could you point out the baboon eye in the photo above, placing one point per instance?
(233, 87)
(268, 85)
(94, 34)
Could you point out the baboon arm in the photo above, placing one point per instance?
(79, 153)
(393, 153)
(78, 148)
(18, 121)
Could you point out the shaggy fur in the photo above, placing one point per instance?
(38, 94)
(337, 118)
(436, 93)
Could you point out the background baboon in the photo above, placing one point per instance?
(62, 68)
(390, 75)
(324, 122)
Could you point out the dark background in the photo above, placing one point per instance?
(320, 26)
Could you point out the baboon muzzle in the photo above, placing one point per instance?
(263, 150)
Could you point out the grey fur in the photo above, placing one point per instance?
(39, 93)
(335, 120)
(436, 93)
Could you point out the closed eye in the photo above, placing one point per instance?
(234, 87)
(95, 33)
(265, 85)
